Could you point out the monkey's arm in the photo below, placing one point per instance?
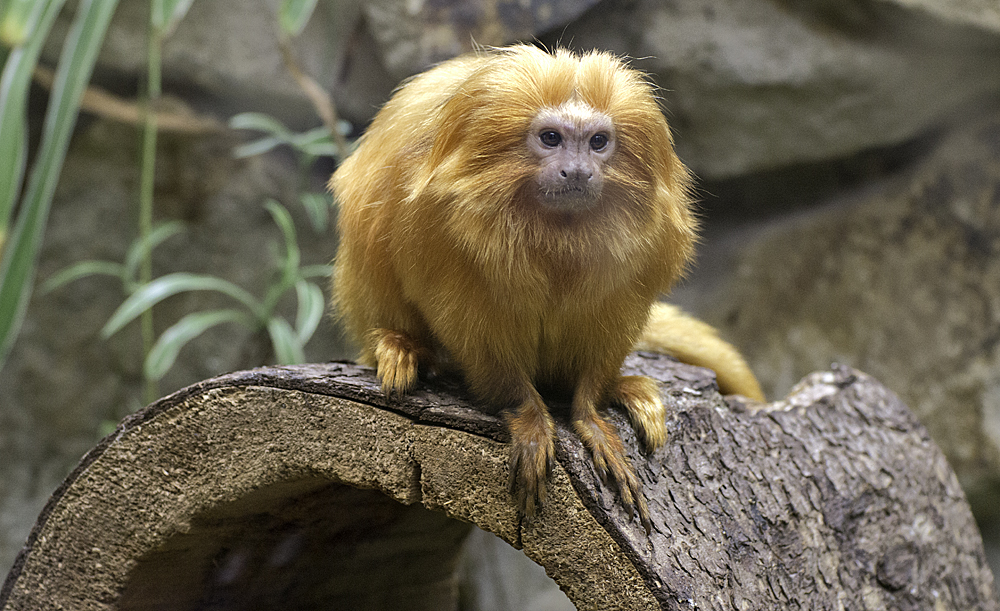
(671, 331)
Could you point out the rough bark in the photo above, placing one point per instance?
(301, 487)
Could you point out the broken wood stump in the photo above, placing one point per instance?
(304, 488)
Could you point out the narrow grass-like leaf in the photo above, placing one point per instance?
(317, 207)
(164, 352)
(287, 347)
(83, 269)
(167, 14)
(159, 289)
(260, 122)
(14, 84)
(290, 265)
(284, 220)
(321, 149)
(133, 258)
(13, 175)
(310, 309)
(293, 16)
(315, 271)
(19, 20)
(17, 267)
(257, 147)
(316, 142)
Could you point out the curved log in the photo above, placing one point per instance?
(302, 487)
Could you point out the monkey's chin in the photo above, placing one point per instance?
(569, 200)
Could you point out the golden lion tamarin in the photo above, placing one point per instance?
(515, 213)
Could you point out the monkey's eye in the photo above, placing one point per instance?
(598, 142)
(550, 138)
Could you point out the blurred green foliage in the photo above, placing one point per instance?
(24, 27)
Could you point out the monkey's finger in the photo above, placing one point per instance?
(601, 468)
(630, 490)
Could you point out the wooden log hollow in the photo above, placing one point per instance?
(304, 488)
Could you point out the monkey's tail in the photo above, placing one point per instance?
(671, 331)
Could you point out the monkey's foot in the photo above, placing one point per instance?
(605, 446)
(396, 356)
(640, 396)
(532, 453)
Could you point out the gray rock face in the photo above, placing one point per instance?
(414, 35)
(753, 86)
(749, 86)
(901, 280)
(983, 14)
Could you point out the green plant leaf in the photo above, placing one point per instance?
(278, 134)
(166, 14)
(316, 142)
(284, 220)
(159, 289)
(83, 269)
(293, 16)
(310, 310)
(14, 84)
(287, 347)
(320, 149)
(18, 20)
(12, 175)
(257, 147)
(164, 352)
(315, 271)
(262, 123)
(317, 207)
(133, 258)
(20, 254)
(290, 265)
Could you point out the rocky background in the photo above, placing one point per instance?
(848, 156)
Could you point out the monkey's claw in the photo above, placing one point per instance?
(529, 471)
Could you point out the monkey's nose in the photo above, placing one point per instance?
(576, 176)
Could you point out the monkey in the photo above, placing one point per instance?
(515, 213)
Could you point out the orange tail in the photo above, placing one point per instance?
(671, 331)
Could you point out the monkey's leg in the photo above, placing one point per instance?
(532, 452)
(640, 396)
(601, 438)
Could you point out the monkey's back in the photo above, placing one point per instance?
(373, 189)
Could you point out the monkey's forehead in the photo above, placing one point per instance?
(575, 114)
(531, 80)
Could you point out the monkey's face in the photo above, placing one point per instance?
(572, 144)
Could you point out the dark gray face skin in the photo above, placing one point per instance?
(572, 144)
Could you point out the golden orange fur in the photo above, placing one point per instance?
(459, 246)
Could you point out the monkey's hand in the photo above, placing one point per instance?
(532, 453)
(640, 396)
(600, 437)
(396, 355)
